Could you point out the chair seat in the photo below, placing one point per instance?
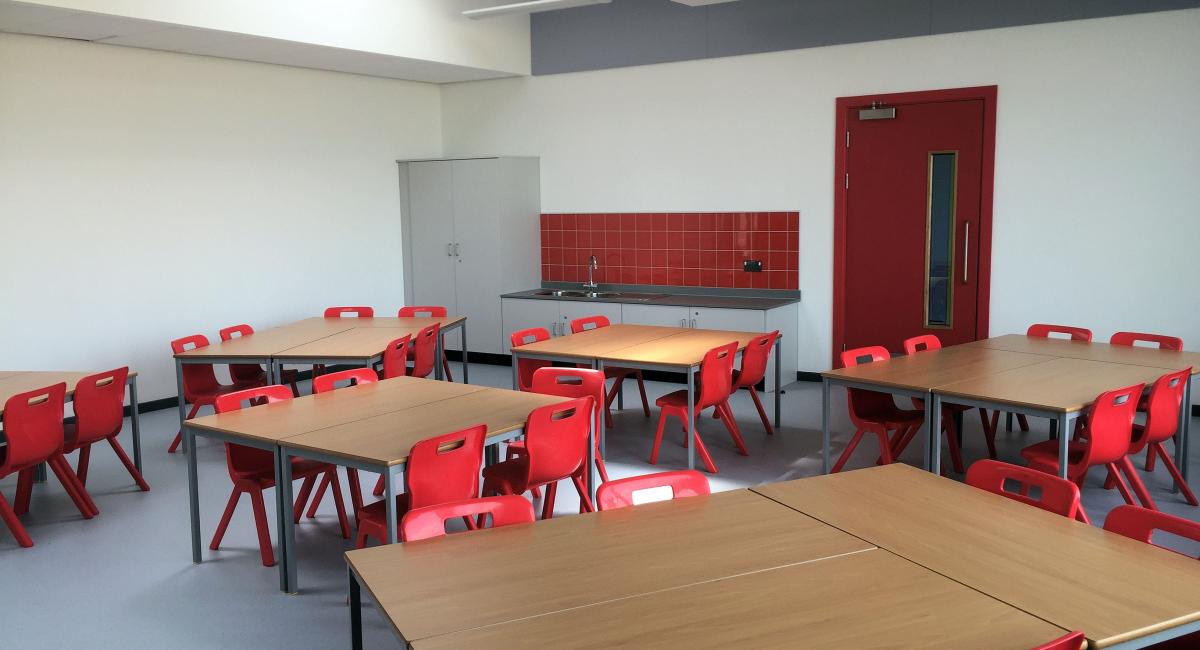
(676, 400)
(212, 395)
(510, 476)
(301, 468)
(376, 513)
(1044, 455)
(892, 416)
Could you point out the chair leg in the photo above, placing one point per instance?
(219, 534)
(360, 540)
(548, 504)
(762, 413)
(446, 367)
(585, 502)
(339, 504)
(129, 466)
(702, 451)
(305, 491)
(1023, 421)
(318, 496)
(952, 440)
(9, 517)
(81, 466)
(900, 441)
(179, 436)
(378, 491)
(600, 468)
(356, 503)
(1175, 473)
(1135, 481)
(841, 461)
(24, 491)
(66, 476)
(731, 425)
(1150, 458)
(1121, 486)
(260, 522)
(642, 392)
(658, 436)
(1082, 515)
(989, 430)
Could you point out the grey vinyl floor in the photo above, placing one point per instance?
(125, 579)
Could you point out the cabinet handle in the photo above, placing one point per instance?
(693, 324)
(456, 249)
(683, 322)
(449, 250)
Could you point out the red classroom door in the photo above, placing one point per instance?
(913, 190)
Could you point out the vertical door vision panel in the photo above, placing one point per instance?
(477, 224)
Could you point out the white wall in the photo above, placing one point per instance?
(148, 195)
(1097, 156)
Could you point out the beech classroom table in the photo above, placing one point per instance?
(15, 382)
(489, 577)
(370, 427)
(1120, 592)
(645, 347)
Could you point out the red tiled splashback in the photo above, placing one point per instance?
(685, 249)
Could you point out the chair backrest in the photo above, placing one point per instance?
(1161, 340)
(716, 375)
(33, 427)
(921, 343)
(754, 359)
(1110, 425)
(424, 349)
(1139, 523)
(240, 458)
(573, 383)
(354, 377)
(588, 323)
(340, 312)
(1044, 330)
(430, 521)
(100, 405)
(1071, 641)
(241, 371)
(445, 468)
(432, 311)
(1055, 494)
(866, 401)
(662, 486)
(1162, 409)
(556, 439)
(395, 357)
(197, 377)
(526, 367)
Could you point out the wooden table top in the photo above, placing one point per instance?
(868, 599)
(386, 439)
(416, 322)
(1072, 575)
(1095, 351)
(15, 382)
(274, 422)
(1064, 384)
(590, 344)
(926, 370)
(271, 341)
(359, 343)
(459, 582)
(685, 348)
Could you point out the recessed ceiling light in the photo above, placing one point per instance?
(529, 7)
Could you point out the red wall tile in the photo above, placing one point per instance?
(674, 248)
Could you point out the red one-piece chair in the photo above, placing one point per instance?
(877, 413)
(1058, 495)
(1162, 423)
(556, 438)
(424, 349)
(950, 412)
(754, 368)
(716, 383)
(200, 385)
(1071, 641)
(573, 383)
(626, 492)
(250, 375)
(1140, 524)
(253, 470)
(1162, 341)
(526, 367)
(33, 429)
(99, 413)
(1045, 330)
(1107, 435)
(434, 474)
(353, 312)
(395, 358)
(324, 384)
(430, 521)
(617, 374)
(428, 311)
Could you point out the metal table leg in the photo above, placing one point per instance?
(1185, 421)
(516, 369)
(465, 364)
(439, 347)
(933, 432)
(179, 388)
(189, 449)
(824, 423)
(135, 424)
(1064, 426)
(287, 527)
(598, 364)
(356, 641)
(691, 418)
(778, 371)
(389, 494)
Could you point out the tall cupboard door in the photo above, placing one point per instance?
(431, 223)
(477, 223)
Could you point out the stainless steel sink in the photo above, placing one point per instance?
(598, 295)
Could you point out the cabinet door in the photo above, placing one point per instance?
(431, 227)
(477, 251)
(738, 320)
(569, 310)
(663, 315)
(520, 314)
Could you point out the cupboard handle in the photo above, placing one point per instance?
(966, 248)
(456, 249)
(693, 324)
(449, 250)
(683, 322)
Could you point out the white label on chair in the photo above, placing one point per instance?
(651, 495)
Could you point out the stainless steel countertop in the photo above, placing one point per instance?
(663, 297)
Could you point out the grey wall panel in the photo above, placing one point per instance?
(637, 32)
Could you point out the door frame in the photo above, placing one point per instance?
(987, 173)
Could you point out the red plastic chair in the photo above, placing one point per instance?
(617, 374)
(572, 383)
(443, 469)
(429, 311)
(342, 312)
(323, 384)
(622, 493)
(200, 385)
(249, 375)
(950, 412)
(1107, 432)
(526, 367)
(754, 368)
(555, 449)
(716, 383)
(99, 414)
(1072, 641)
(1163, 341)
(353, 377)
(395, 358)
(253, 470)
(1162, 422)
(33, 429)
(877, 413)
(1059, 496)
(423, 350)
(1044, 330)
(1140, 524)
(430, 521)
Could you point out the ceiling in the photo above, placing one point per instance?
(16, 17)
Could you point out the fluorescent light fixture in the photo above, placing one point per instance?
(529, 7)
